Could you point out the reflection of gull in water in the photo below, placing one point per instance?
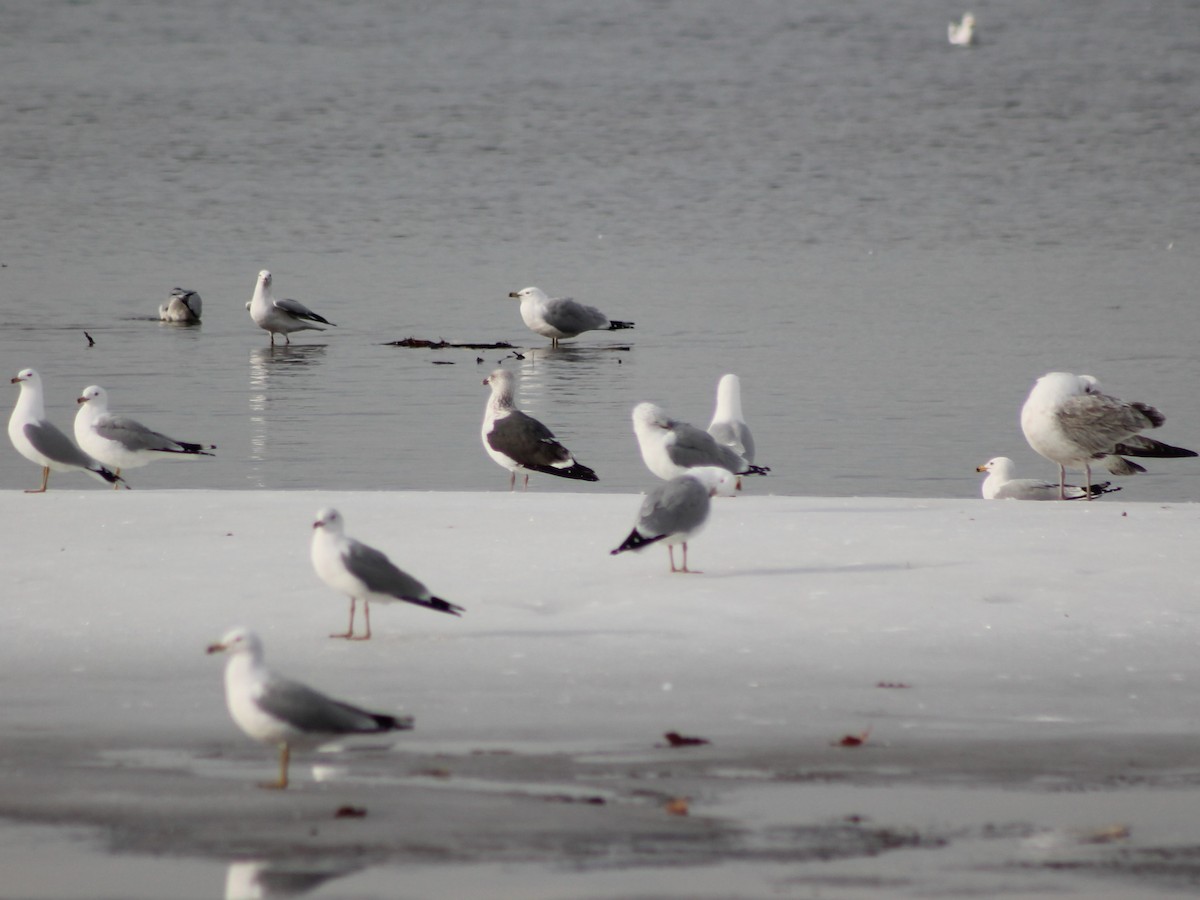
(273, 364)
(258, 879)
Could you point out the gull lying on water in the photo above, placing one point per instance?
(517, 441)
(183, 306)
(962, 34)
(40, 441)
(1001, 484)
(670, 447)
(120, 442)
(1071, 422)
(559, 318)
(292, 716)
(359, 571)
(281, 316)
(676, 510)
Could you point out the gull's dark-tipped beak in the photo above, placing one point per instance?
(215, 648)
(514, 295)
(81, 400)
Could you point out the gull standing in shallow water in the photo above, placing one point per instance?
(559, 318)
(1071, 422)
(281, 316)
(183, 307)
(292, 716)
(120, 442)
(517, 441)
(40, 441)
(670, 447)
(359, 571)
(676, 510)
(1001, 484)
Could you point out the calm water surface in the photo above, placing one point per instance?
(887, 238)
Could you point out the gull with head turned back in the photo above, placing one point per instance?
(671, 447)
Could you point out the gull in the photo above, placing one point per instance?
(517, 441)
(1070, 421)
(559, 318)
(962, 34)
(280, 316)
(1002, 485)
(676, 510)
(670, 447)
(183, 306)
(274, 710)
(359, 571)
(40, 441)
(727, 425)
(120, 442)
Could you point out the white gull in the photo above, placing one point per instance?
(281, 316)
(671, 447)
(1002, 484)
(559, 318)
(183, 307)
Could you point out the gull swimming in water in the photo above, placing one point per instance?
(962, 34)
(40, 441)
(281, 316)
(359, 571)
(183, 307)
(1071, 422)
(518, 441)
(670, 447)
(274, 710)
(559, 318)
(676, 510)
(1002, 484)
(120, 442)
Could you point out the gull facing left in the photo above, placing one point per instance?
(281, 316)
(274, 710)
(559, 318)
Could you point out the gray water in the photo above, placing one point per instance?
(886, 237)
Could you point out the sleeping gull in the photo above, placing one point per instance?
(1002, 485)
(559, 318)
(1071, 422)
(962, 34)
(40, 441)
(670, 447)
(517, 441)
(183, 307)
(273, 710)
(676, 510)
(280, 316)
(357, 570)
(120, 442)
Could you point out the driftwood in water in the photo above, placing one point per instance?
(421, 343)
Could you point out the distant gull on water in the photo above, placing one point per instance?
(676, 510)
(670, 447)
(1071, 422)
(962, 34)
(287, 714)
(559, 318)
(520, 442)
(281, 316)
(120, 442)
(183, 306)
(40, 441)
(362, 572)
(1002, 484)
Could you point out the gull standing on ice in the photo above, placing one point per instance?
(357, 570)
(280, 316)
(962, 34)
(292, 716)
(1001, 484)
(184, 307)
(517, 441)
(120, 442)
(727, 425)
(676, 510)
(1071, 422)
(559, 318)
(670, 447)
(40, 441)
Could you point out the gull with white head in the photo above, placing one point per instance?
(1002, 484)
(676, 510)
(559, 318)
(281, 316)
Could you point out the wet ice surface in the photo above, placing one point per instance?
(1022, 674)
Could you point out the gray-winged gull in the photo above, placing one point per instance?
(962, 34)
(281, 316)
(120, 442)
(292, 716)
(40, 441)
(1002, 484)
(670, 447)
(362, 572)
(517, 441)
(1071, 422)
(727, 425)
(559, 318)
(183, 307)
(676, 510)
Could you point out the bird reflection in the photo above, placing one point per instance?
(252, 879)
(272, 368)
